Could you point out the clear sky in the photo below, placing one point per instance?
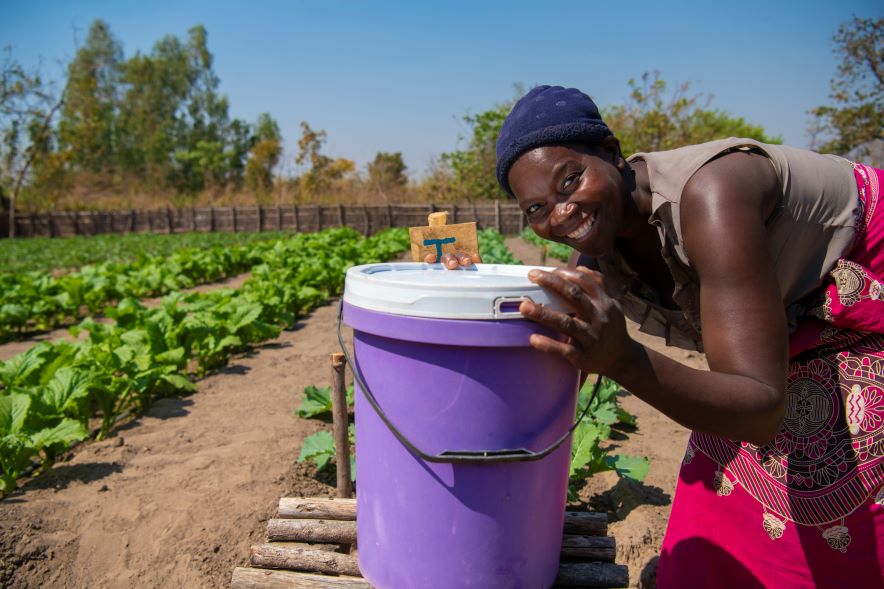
(399, 75)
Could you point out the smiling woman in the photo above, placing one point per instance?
(769, 259)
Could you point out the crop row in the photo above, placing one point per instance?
(49, 393)
(39, 301)
(59, 255)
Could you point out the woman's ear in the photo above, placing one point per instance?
(612, 146)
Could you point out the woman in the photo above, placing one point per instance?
(768, 259)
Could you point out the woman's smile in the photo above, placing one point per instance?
(584, 228)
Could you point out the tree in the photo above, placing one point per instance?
(175, 131)
(264, 154)
(323, 170)
(652, 120)
(857, 90)
(472, 170)
(87, 124)
(387, 173)
(28, 107)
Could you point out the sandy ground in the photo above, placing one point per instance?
(176, 497)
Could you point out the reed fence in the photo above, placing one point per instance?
(506, 217)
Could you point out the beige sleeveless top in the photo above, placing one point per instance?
(812, 226)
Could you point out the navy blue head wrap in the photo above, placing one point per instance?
(546, 115)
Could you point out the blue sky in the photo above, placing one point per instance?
(399, 75)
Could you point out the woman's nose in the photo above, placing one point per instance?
(563, 211)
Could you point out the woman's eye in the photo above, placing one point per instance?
(570, 180)
(532, 209)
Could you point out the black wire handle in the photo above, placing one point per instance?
(457, 456)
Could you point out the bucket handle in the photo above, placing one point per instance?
(457, 456)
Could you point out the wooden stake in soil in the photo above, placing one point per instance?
(341, 422)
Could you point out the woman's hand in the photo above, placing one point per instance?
(452, 261)
(597, 340)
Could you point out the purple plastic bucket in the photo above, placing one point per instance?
(462, 386)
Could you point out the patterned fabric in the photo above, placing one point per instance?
(807, 509)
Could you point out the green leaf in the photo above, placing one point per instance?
(320, 448)
(13, 411)
(66, 432)
(179, 382)
(585, 445)
(606, 414)
(631, 467)
(625, 417)
(63, 393)
(316, 402)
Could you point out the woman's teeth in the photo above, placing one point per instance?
(583, 230)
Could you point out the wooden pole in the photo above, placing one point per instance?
(274, 556)
(233, 212)
(602, 548)
(340, 421)
(317, 508)
(586, 522)
(365, 218)
(278, 218)
(592, 574)
(169, 219)
(497, 214)
(244, 578)
(389, 216)
(311, 530)
(297, 225)
(341, 215)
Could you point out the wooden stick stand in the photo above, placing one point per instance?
(305, 539)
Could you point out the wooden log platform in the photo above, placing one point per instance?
(311, 546)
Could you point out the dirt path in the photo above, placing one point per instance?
(175, 498)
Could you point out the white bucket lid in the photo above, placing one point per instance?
(480, 291)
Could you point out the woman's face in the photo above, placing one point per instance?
(573, 194)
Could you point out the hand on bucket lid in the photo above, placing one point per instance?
(452, 261)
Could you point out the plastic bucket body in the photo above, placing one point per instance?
(458, 385)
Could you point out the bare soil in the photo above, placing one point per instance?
(176, 497)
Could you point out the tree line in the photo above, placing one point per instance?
(153, 129)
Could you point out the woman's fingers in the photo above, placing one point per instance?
(454, 260)
(566, 350)
(579, 291)
(574, 327)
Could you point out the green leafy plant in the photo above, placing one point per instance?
(588, 452)
(123, 366)
(493, 248)
(558, 251)
(317, 402)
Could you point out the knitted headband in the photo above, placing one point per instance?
(546, 115)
